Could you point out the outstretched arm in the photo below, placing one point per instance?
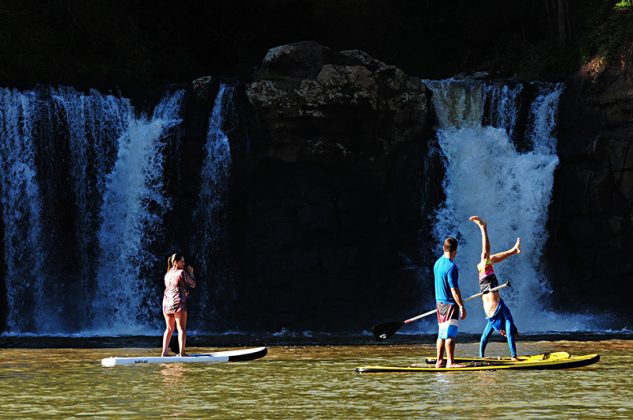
(485, 241)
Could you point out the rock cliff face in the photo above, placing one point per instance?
(591, 251)
(327, 189)
(325, 106)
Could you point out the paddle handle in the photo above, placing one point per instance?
(494, 289)
(415, 318)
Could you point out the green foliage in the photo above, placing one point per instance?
(608, 31)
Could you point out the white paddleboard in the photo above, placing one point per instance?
(217, 357)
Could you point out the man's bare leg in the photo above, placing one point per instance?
(450, 354)
(439, 361)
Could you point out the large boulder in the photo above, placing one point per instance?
(318, 104)
(329, 182)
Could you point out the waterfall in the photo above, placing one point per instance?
(465, 98)
(131, 217)
(83, 200)
(21, 214)
(93, 122)
(487, 176)
(504, 104)
(210, 218)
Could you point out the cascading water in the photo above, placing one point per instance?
(131, 215)
(503, 105)
(93, 124)
(209, 215)
(84, 163)
(511, 190)
(21, 213)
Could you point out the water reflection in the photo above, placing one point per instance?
(174, 389)
(172, 373)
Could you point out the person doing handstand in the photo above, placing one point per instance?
(498, 314)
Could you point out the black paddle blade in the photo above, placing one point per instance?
(384, 331)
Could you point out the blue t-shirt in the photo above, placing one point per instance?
(446, 277)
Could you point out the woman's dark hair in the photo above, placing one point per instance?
(173, 259)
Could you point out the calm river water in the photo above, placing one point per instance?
(314, 382)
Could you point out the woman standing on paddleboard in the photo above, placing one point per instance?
(498, 314)
(178, 279)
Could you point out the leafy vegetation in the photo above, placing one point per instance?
(609, 29)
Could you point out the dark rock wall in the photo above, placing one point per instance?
(327, 195)
(591, 248)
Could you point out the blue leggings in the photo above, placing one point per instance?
(502, 319)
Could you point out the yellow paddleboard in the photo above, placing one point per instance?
(556, 360)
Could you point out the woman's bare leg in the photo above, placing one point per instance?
(181, 324)
(516, 249)
(169, 329)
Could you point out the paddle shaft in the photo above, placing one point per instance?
(415, 318)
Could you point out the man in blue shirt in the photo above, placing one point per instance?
(450, 306)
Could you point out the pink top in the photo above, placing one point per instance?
(485, 269)
(175, 296)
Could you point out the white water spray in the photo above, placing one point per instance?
(132, 213)
(488, 177)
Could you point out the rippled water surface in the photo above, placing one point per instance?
(314, 382)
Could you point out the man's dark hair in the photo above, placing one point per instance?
(450, 244)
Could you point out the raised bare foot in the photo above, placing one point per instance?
(477, 221)
(517, 246)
